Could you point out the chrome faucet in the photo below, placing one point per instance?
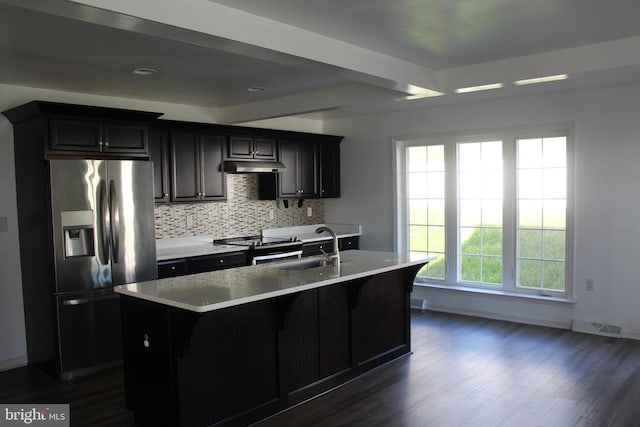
(334, 257)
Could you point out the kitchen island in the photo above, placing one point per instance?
(233, 346)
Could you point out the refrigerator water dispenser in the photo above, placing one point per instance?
(77, 227)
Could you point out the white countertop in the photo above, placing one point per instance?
(307, 233)
(184, 247)
(225, 288)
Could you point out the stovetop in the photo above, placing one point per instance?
(253, 242)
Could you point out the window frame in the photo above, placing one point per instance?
(509, 138)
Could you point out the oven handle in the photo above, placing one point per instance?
(255, 259)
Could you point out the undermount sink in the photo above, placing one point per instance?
(305, 264)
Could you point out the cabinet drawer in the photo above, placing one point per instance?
(347, 243)
(217, 262)
(310, 249)
(172, 268)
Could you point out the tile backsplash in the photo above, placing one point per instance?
(242, 214)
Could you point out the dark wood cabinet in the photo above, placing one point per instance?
(201, 264)
(97, 136)
(172, 268)
(196, 167)
(344, 244)
(159, 155)
(248, 148)
(299, 180)
(329, 170)
(85, 131)
(238, 364)
(316, 248)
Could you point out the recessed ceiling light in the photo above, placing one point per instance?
(255, 89)
(144, 71)
(479, 88)
(545, 79)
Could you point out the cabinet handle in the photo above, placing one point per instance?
(165, 195)
(106, 144)
(221, 261)
(173, 267)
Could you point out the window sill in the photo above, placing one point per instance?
(493, 292)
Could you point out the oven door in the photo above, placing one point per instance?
(266, 258)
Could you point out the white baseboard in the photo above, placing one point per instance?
(506, 318)
(17, 362)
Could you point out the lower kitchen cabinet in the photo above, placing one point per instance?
(236, 365)
(344, 244)
(200, 264)
(206, 263)
(172, 268)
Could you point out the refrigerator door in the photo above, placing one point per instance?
(131, 216)
(77, 198)
(103, 223)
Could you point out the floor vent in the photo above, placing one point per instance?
(597, 328)
(418, 303)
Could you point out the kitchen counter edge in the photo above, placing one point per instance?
(385, 262)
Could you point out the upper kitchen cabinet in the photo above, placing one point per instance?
(159, 155)
(87, 132)
(196, 167)
(312, 168)
(329, 169)
(248, 148)
(299, 180)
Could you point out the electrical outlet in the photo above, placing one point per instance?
(271, 215)
(309, 211)
(3, 224)
(189, 221)
(591, 285)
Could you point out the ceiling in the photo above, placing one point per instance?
(328, 58)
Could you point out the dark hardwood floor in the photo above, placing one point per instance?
(464, 371)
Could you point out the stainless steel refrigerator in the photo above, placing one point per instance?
(102, 229)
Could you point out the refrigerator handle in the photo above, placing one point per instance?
(114, 214)
(105, 223)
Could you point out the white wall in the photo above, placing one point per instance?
(607, 200)
(12, 335)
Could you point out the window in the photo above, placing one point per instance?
(425, 201)
(492, 209)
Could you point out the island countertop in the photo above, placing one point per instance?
(226, 288)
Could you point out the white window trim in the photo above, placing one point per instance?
(509, 136)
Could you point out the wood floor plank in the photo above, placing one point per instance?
(464, 371)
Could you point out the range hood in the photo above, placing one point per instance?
(239, 166)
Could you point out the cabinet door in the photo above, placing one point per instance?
(240, 147)
(264, 149)
(185, 168)
(307, 170)
(159, 155)
(213, 178)
(124, 138)
(329, 170)
(288, 179)
(74, 135)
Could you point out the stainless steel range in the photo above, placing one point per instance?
(266, 249)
